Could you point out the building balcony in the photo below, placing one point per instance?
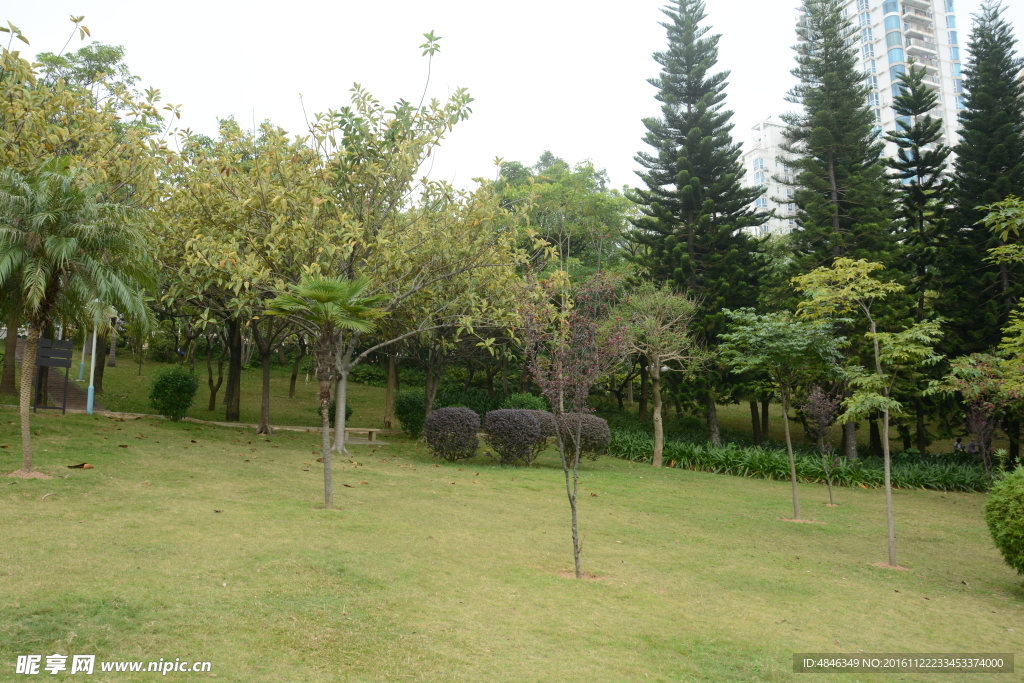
(915, 30)
(913, 11)
(922, 48)
(922, 5)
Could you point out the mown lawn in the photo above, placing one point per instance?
(452, 572)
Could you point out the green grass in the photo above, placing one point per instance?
(125, 390)
(418, 578)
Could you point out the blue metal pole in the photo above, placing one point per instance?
(92, 375)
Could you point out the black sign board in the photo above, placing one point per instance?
(52, 354)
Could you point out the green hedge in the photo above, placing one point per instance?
(760, 463)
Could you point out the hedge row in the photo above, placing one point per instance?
(760, 463)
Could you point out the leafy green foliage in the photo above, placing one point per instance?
(1004, 514)
(411, 411)
(332, 410)
(513, 434)
(525, 401)
(765, 463)
(173, 391)
(450, 433)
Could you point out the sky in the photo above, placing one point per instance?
(561, 75)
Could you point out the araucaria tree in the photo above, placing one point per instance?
(658, 320)
(989, 167)
(694, 206)
(568, 348)
(919, 171)
(841, 194)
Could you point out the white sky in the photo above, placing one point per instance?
(564, 75)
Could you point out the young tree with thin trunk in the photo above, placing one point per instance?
(568, 352)
(659, 321)
(791, 352)
(848, 287)
(325, 307)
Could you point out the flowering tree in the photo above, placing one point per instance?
(570, 343)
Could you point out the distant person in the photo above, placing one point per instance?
(958, 447)
(972, 449)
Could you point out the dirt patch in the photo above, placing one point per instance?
(883, 565)
(799, 521)
(831, 505)
(21, 474)
(570, 574)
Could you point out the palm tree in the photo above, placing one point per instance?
(63, 241)
(325, 307)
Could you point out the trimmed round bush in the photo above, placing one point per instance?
(513, 434)
(450, 433)
(411, 411)
(593, 430)
(1004, 514)
(173, 391)
(525, 401)
(547, 423)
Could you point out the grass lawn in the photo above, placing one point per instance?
(451, 572)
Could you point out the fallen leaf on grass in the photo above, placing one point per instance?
(362, 482)
(348, 486)
(593, 495)
(122, 445)
(194, 441)
(80, 466)
(319, 459)
(4, 446)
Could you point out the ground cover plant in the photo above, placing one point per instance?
(211, 543)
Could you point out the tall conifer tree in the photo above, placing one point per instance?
(919, 172)
(694, 207)
(841, 194)
(989, 166)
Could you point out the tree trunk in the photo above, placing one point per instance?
(765, 404)
(214, 388)
(850, 441)
(792, 460)
(659, 433)
(101, 353)
(876, 438)
(755, 423)
(390, 391)
(112, 356)
(711, 413)
(629, 392)
(1013, 433)
(7, 383)
(28, 363)
(344, 367)
(504, 374)
(890, 524)
(904, 432)
(264, 428)
(300, 353)
(435, 366)
(325, 441)
(922, 432)
(233, 392)
(642, 409)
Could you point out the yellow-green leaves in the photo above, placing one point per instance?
(845, 287)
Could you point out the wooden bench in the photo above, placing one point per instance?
(371, 433)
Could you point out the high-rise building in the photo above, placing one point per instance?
(764, 161)
(889, 34)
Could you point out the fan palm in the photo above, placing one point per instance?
(63, 241)
(325, 307)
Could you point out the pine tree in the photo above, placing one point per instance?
(694, 207)
(989, 166)
(922, 185)
(841, 195)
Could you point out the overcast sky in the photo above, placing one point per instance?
(561, 75)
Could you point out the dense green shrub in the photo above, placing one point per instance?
(333, 408)
(474, 398)
(411, 411)
(513, 434)
(1004, 514)
(772, 463)
(173, 391)
(593, 430)
(525, 401)
(450, 433)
